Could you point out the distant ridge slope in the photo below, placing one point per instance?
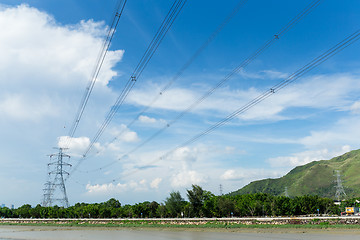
(315, 178)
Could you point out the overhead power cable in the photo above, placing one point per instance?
(159, 36)
(351, 39)
(243, 65)
(187, 64)
(99, 62)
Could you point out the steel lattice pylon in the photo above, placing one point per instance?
(339, 187)
(55, 191)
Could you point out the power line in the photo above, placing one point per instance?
(188, 63)
(244, 64)
(159, 36)
(181, 71)
(282, 84)
(58, 180)
(99, 62)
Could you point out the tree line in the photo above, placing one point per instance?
(201, 203)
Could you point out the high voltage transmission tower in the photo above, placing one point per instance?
(286, 194)
(56, 170)
(55, 190)
(339, 187)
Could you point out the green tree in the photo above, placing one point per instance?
(112, 203)
(153, 209)
(162, 211)
(36, 211)
(226, 206)
(174, 204)
(24, 211)
(6, 212)
(197, 196)
(127, 211)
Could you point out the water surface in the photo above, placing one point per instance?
(57, 233)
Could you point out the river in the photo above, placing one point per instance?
(57, 233)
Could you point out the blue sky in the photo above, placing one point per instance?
(49, 50)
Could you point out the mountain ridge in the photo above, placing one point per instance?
(314, 178)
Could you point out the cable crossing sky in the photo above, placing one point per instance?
(351, 39)
(188, 63)
(243, 65)
(154, 44)
(99, 62)
(183, 68)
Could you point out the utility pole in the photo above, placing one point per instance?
(339, 187)
(55, 190)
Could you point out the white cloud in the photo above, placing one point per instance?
(112, 188)
(77, 146)
(129, 136)
(187, 178)
(155, 183)
(106, 188)
(21, 107)
(43, 62)
(146, 119)
(316, 92)
(355, 107)
(153, 122)
(44, 69)
(124, 134)
(264, 74)
(302, 158)
(173, 99)
(184, 154)
(248, 175)
(345, 131)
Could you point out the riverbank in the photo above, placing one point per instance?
(199, 223)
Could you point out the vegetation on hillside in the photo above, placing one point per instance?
(315, 178)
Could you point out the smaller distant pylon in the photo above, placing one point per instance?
(339, 187)
(286, 194)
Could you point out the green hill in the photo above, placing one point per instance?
(315, 178)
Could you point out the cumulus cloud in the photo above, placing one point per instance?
(155, 183)
(249, 175)
(186, 178)
(106, 188)
(77, 146)
(184, 154)
(146, 119)
(124, 134)
(49, 61)
(305, 157)
(151, 121)
(112, 188)
(45, 66)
